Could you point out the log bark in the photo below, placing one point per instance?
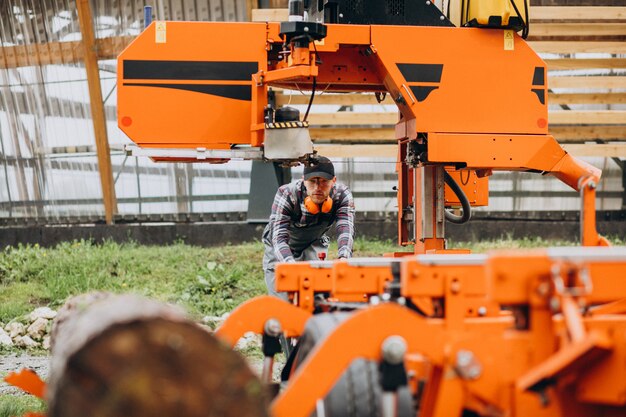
(125, 356)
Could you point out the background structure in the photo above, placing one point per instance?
(61, 153)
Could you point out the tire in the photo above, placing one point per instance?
(357, 393)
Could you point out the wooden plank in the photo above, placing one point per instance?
(352, 118)
(391, 118)
(573, 133)
(563, 133)
(270, 15)
(339, 134)
(577, 29)
(585, 63)
(97, 109)
(604, 151)
(390, 151)
(569, 47)
(350, 99)
(59, 52)
(369, 99)
(576, 13)
(587, 82)
(601, 117)
(587, 98)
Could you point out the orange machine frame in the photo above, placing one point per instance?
(467, 99)
(541, 356)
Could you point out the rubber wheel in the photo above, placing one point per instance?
(358, 392)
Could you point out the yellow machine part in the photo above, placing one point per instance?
(494, 13)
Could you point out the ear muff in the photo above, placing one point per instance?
(314, 208)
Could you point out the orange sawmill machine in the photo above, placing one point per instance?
(433, 332)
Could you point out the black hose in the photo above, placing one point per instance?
(465, 204)
(306, 115)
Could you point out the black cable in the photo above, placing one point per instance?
(465, 204)
(306, 115)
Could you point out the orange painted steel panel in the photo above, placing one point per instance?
(482, 88)
(252, 315)
(510, 152)
(193, 90)
(475, 188)
(348, 279)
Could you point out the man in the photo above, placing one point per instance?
(302, 213)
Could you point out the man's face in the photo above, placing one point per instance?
(318, 188)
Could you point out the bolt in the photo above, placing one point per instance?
(394, 348)
(341, 15)
(482, 311)
(591, 185)
(427, 3)
(441, 17)
(455, 286)
(374, 300)
(467, 366)
(306, 29)
(272, 328)
(385, 297)
(543, 289)
(555, 304)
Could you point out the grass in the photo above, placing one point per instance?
(206, 281)
(18, 405)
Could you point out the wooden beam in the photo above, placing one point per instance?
(59, 52)
(563, 133)
(391, 118)
(577, 13)
(369, 99)
(604, 151)
(569, 47)
(585, 63)
(588, 117)
(97, 109)
(577, 29)
(270, 15)
(390, 151)
(587, 81)
(575, 133)
(348, 99)
(587, 98)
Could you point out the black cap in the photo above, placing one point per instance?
(322, 168)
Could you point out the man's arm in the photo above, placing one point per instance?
(345, 225)
(281, 216)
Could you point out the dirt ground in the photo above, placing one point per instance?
(15, 362)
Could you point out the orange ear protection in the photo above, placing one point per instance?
(314, 208)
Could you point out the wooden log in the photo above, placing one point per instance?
(126, 356)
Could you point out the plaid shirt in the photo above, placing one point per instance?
(284, 211)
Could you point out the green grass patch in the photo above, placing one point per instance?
(17, 405)
(206, 281)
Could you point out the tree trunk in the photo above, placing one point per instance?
(125, 356)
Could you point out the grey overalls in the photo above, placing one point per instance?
(305, 240)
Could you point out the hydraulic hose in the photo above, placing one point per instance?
(465, 204)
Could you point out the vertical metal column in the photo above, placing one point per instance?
(97, 109)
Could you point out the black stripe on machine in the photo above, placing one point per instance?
(421, 73)
(189, 70)
(237, 92)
